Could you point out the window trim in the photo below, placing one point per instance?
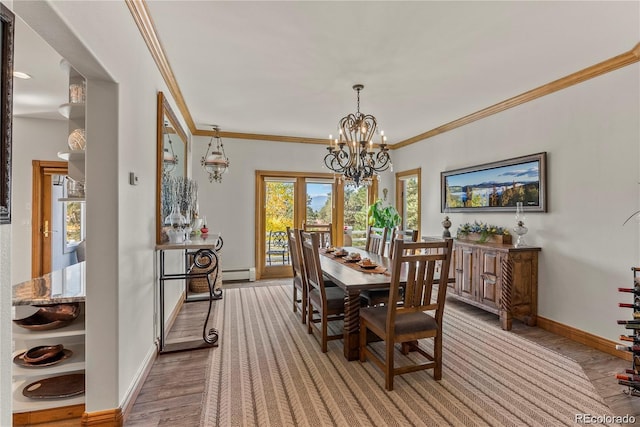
(400, 177)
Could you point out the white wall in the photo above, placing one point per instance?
(230, 206)
(5, 325)
(121, 138)
(591, 134)
(33, 139)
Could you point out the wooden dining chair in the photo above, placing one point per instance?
(327, 302)
(411, 321)
(376, 240)
(406, 235)
(381, 296)
(299, 279)
(324, 230)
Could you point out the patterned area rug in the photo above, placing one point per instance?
(269, 372)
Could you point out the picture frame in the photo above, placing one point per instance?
(496, 186)
(7, 24)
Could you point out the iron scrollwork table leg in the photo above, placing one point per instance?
(206, 261)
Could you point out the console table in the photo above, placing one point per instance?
(201, 261)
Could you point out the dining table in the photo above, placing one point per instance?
(353, 279)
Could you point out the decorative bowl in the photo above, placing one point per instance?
(50, 317)
(63, 355)
(41, 352)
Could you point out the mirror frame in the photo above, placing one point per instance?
(7, 23)
(164, 110)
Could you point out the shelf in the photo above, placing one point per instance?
(74, 329)
(24, 404)
(75, 363)
(72, 110)
(71, 155)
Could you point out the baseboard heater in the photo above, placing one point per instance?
(239, 275)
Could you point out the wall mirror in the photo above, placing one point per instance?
(7, 21)
(171, 154)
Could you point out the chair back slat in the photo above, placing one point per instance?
(406, 235)
(324, 231)
(420, 261)
(311, 261)
(296, 255)
(376, 239)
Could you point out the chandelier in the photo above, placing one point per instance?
(169, 158)
(215, 162)
(352, 153)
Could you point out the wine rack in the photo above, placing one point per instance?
(631, 377)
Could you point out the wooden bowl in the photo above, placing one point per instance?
(50, 317)
(42, 353)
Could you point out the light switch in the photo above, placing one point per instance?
(133, 178)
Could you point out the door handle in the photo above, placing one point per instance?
(46, 231)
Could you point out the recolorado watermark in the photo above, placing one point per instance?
(604, 419)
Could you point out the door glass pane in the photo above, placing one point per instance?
(410, 203)
(356, 202)
(319, 202)
(279, 211)
(74, 224)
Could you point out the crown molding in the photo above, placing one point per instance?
(143, 20)
(619, 61)
(262, 137)
(145, 24)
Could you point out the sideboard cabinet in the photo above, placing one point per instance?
(498, 278)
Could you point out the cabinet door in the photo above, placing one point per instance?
(489, 280)
(464, 271)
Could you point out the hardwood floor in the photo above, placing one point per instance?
(173, 391)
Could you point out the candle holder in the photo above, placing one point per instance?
(520, 229)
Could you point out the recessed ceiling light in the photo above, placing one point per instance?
(21, 75)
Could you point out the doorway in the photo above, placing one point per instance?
(289, 199)
(48, 218)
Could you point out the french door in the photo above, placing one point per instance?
(290, 199)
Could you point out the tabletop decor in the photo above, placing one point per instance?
(483, 233)
(179, 206)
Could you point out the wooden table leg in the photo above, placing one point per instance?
(506, 313)
(352, 325)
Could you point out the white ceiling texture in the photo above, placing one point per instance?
(287, 68)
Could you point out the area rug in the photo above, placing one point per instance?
(268, 371)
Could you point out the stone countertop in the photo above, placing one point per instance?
(62, 286)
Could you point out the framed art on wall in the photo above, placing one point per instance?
(7, 20)
(496, 186)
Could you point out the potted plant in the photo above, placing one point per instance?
(383, 216)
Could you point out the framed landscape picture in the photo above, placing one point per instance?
(496, 186)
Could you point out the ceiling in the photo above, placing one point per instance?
(287, 68)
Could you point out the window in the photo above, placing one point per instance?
(74, 224)
(408, 198)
